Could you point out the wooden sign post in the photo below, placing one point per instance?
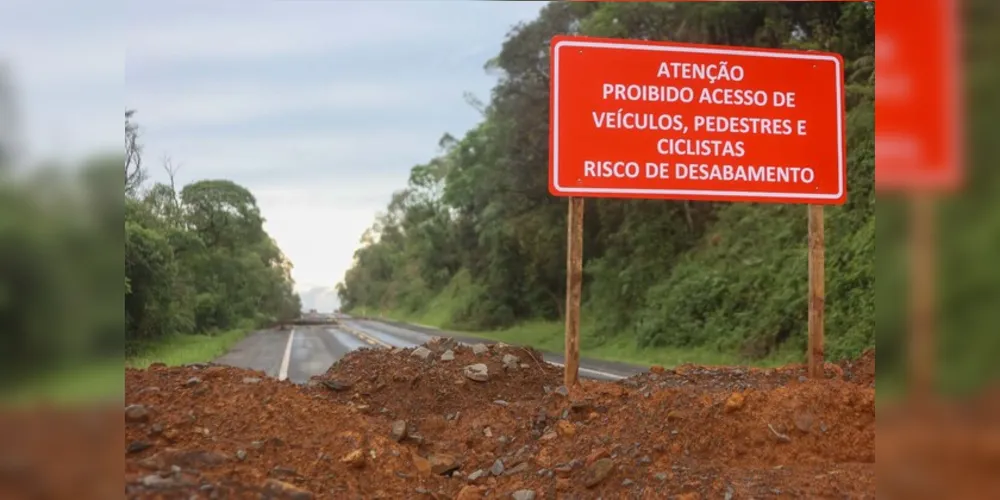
(574, 289)
(817, 290)
(922, 339)
(669, 121)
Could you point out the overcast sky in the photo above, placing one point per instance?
(319, 107)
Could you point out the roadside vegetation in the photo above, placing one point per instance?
(475, 242)
(181, 349)
(548, 336)
(200, 270)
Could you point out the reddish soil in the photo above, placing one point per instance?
(693, 432)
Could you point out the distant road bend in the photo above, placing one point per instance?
(307, 350)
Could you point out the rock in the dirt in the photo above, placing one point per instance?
(336, 385)
(627, 482)
(598, 472)
(241, 455)
(523, 495)
(479, 349)
(804, 422)
(196, 459)
(289, 491)
(251, 380)
(497, 468)
(476, 475)
(398, 430)
(448, 355)
(284, 471)
(137, 446)
(154, 480)
(517, 469)
(136, 413)
(661, 477)
(191, 382)
(562, 390)
(734, 402)
(596, 455)
(421, 352)
(355, 459)
(442, 463)
(510, 361)
(565, 428)
(477, 372)
(439, 344)
(470, 492)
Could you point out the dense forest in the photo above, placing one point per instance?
(197, 258)
(476, 236)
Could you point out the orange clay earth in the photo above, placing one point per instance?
(384, 424)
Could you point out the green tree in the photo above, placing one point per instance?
(198, 260)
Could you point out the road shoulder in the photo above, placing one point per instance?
(612, 367)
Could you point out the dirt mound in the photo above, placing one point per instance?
(862, 370)
(402, 383)
(222, 432)
(419, 423)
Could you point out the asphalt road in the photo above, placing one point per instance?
(309, 350)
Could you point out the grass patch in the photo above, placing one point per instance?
(182, 349)
(548, 336)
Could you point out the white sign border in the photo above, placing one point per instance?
(841, 163)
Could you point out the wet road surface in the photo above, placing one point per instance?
(308, 350)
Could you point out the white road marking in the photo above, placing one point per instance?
(591, 371)
(598, 373)
(283, 371)
(370, 340)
